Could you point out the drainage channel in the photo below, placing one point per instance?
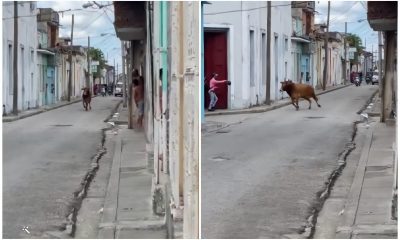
(308, 230)
(80, 194)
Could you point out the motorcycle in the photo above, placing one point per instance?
(357, 81)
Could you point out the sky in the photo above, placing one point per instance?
(350, 12)
(91, 22)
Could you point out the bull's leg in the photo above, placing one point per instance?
(294, 103)
(309, 101)
(90, 106)
(297, 104)
(316, 100)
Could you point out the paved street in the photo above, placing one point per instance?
(45, 158)
(260, 178)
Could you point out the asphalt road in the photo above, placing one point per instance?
(45, 158)
(260, 178)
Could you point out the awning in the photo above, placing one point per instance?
(45, 52)
(298, 39)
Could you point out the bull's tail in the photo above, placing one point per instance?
(316, 99)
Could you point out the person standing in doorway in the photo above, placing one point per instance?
(138, 96)
(213, 87)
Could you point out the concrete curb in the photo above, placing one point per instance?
(352, 201)
(41, 110)
(107, 223)
(267, 108)
(113, 111)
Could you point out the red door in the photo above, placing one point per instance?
(215, 61)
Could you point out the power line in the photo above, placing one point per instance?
(250, 9)
(44, 14)
(336, 18)
(108, 17)
(362, 4)
(91, 22)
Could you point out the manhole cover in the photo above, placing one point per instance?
(62, 125)
(223, 131)
(219, 159)
(314, 117)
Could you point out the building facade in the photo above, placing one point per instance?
(28, 84)
(162, 45)
(244, 60)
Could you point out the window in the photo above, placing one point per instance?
(286, 44)
(10, 70)
(32, 56)
(32, 5)
(252, 59)
(23, 66)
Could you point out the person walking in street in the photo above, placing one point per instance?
(213, 87)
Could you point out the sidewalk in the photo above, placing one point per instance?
(368, 208)
(128, 209)
(32, 112)
(215, 124)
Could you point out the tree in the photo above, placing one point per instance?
(97, 55)
(355, 41)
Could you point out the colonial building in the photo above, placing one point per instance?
(28, 85)
(162, 45)
(236, 43)
(336, 63)
(47, 70)
(303, 43)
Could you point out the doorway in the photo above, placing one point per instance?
(215, 61)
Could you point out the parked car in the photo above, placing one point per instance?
(118, 89)
(375, 78)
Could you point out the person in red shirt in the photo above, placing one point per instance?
(214, 86)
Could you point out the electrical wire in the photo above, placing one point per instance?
(250, 9)
(61, 11)
(93, 21)
(109, 19)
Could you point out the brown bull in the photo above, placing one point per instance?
(86, 98)
(298, 90)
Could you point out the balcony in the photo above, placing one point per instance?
(308, 6)
(382, 16)
(130, 20)
(48, 15)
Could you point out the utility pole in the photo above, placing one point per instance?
(345, 52)
(70, 61)
(267, 94)
(88, 65)
(125, 62)
(15, 60)
(326, 49)
(114, 72)
(380, 66)
(123, 71)
(130, 69)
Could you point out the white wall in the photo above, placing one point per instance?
(281, 26)
(238, 24)
(245, 91)
(27, 38)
